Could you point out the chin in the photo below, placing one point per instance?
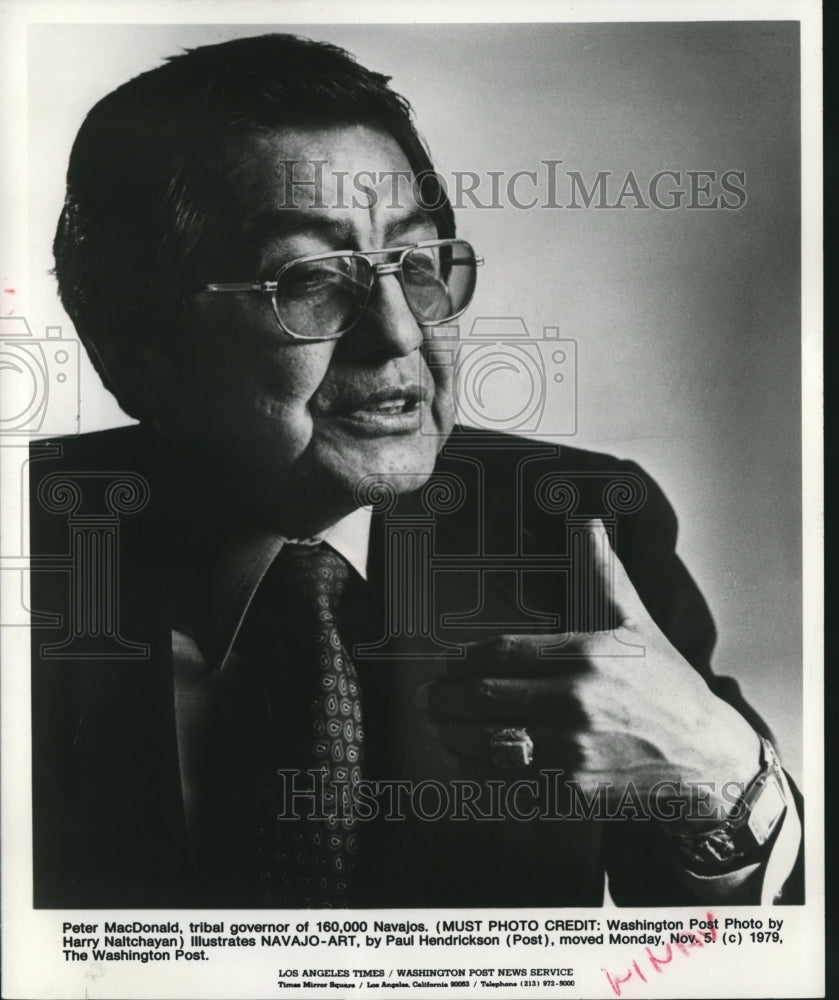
(402, 464)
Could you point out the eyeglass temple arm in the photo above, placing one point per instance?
(240, 286)
(271, 286)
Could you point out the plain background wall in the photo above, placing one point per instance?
(687, 322)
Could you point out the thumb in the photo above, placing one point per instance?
(604, 595)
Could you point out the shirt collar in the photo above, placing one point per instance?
(350, 537)
(212, 598)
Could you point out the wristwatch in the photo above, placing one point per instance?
(751, 824)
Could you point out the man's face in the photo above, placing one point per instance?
(295, 425)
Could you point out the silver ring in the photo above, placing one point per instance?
(511, 747)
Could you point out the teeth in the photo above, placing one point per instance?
(391, 406)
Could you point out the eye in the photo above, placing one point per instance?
(421, 268)
(315, 277)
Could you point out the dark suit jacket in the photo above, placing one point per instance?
(489, 542)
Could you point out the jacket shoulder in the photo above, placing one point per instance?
(601, 481)
(489, 444)
(118, 447)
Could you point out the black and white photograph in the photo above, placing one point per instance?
(411, 563)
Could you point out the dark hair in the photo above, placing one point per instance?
(140, 177)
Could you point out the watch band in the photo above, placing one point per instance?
(754, 819)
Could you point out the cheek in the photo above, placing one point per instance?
(443, 408)
(260, 388)
(239, 375)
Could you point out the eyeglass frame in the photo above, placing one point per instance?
(377, 271)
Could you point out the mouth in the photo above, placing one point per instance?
(393, 411)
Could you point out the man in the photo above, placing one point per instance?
(338, 651)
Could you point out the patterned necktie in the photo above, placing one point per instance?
(311, 861)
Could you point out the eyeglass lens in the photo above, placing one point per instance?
(322, 298)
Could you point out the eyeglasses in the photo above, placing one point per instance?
(322, 296)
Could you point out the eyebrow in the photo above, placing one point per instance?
(287, 221)
(417, 217)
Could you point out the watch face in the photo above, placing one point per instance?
(766, 809)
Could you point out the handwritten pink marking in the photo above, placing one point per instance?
(616, 981)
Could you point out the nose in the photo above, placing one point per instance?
(388, 326)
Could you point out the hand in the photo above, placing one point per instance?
(600, 716)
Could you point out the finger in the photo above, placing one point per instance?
(604, 597)
(546, 746)
(502, 698)
(520, 656)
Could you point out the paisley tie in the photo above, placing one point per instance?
(310, 861)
